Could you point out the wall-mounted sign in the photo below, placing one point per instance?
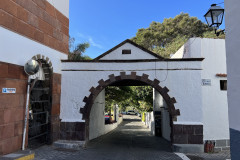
(206, 82)
(8, 90)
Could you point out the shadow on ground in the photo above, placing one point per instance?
(132, 140)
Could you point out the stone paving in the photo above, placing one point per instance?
(131, 141)
(223, 155)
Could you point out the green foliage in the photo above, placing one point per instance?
(167, 37)
(81, 48)
(213, 35)
(76, 52)
(143, 97)
(85, 57)
(117, 95)
(138, 97)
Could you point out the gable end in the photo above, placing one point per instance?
(129, 52)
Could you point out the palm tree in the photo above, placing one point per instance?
(77, 52)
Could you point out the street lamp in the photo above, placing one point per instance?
(214, 17)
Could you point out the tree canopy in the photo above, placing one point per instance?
(167, 37)
(76, 52)
(138, 97)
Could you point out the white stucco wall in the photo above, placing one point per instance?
(97, 117)
(184, 84)
(215, 107)
(179, 53)
(233, 59)
(191, 49)
(156, 100)
(61, 5)
(136, 53)
(160, 105)
(166, 129)
(150, 122)
(97, 125)
(17, 49)
(110, 127)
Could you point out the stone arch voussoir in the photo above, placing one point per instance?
(46, 59)
(85, 111)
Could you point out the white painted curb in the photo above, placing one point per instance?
(183, 156)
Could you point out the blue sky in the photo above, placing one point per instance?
(106, 23)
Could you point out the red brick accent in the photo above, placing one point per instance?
(1, 119)
(8, 116)
(9, 6)
(10, 144)
(37, 20)
(12, 107)
(55, 112)
(3, 70)
(18, 128)
(17, 100)
(8, 131)
(8, 70)
(7, 146)
(55, 109)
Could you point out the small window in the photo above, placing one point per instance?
(223, 84)
(126, 51)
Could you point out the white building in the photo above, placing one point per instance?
(214, 91)
(192, 76)
(233, 70)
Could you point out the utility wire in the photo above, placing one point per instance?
(166, 74)
(156, 72)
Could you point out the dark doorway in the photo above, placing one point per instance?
(40, 109)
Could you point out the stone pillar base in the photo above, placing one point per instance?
(188, 148)
(69, 144)
(72, 131)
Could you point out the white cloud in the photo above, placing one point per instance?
(80, 35)
(94, 44)
(90, 40)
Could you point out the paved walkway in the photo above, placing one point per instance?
(131, 141)
(224, 155)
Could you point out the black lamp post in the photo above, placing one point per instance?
(214, 17)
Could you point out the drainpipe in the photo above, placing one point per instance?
(26, 114)
(27, 106)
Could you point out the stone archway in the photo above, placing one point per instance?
(46, 59)
(39, 125)
(173, 113)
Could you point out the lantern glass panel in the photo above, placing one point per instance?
(217, 20)
(214, 16)
(216, 13)
(208, 18)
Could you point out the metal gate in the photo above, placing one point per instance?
(39, 110)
